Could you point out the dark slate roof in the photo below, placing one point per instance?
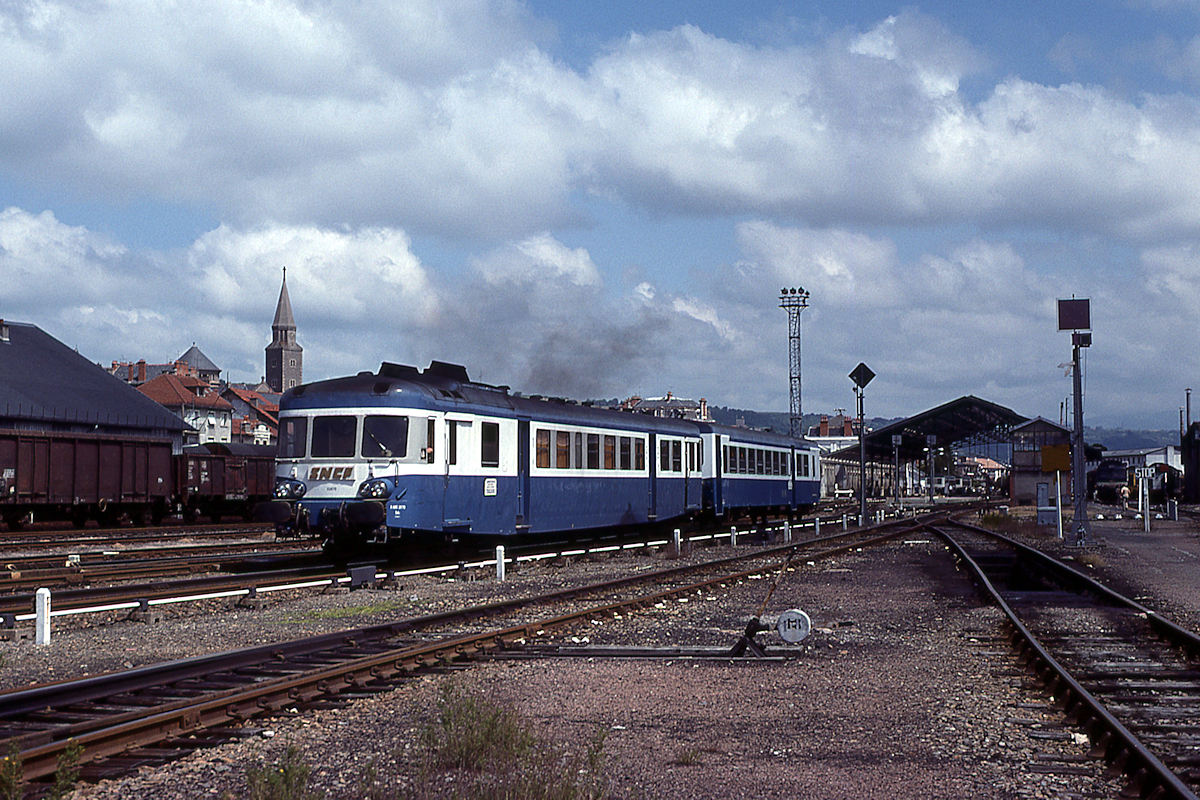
(45, 383)
(198, 361)
(965, 421)
(283, 310)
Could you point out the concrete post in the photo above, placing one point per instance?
(816, 527)
(845, 525)
(500, 563)
(677, 542)
(732, 536)
(787, 532)
(42, 611)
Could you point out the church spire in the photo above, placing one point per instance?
(284, 356)
(283, 310)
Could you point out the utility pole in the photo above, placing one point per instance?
(794, 301)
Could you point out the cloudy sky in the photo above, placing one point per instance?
(604, 199)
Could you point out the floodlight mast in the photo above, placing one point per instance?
(794, 301)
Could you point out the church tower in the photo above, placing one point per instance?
(284, 356)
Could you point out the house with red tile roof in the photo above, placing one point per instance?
(255, 418)
(197, 402)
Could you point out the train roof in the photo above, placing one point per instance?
(447, 388)
(754, 436)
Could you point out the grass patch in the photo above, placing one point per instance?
(286, 779)
(346, 612)
(479, 749)
(687, 756)
(12, 785)
(67, 771)
(1000, 522)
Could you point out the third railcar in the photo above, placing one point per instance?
(385, 455)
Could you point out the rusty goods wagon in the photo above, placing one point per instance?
(79, 476)
(220, 479)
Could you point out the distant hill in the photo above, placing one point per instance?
(1122, 439)
(775, 420)
(1111, 438)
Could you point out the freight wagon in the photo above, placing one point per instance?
(80, 477)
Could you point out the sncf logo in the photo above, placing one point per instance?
(331, 474)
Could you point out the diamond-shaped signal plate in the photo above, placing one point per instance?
(861, 375)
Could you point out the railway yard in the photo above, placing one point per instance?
(908, 685)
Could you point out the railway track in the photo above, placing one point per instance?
(115, 567)
(32, 540)
(125, 720)
(1123, 673)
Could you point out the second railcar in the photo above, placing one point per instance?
(748, 471)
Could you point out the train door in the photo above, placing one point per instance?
(523, 481)
(792, 499)
(652, 457)
(718, 498)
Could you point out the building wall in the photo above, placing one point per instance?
(211, 425)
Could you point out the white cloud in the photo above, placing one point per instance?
(536, 258)
(362, 277)
(451, 118)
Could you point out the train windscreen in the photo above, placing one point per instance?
(385, 437)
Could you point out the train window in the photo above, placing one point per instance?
(333, 437)
(385, 437)
(626, 452)
(610, 452)
(639, 454)
(562, 450)
(293, 436)
(593, 451)
(699, 456)
(430, 449)
(578, 462)
(676, 457)
(743, 460)
(725, 459)
(543, 448)
(489, 444)
(453, 454)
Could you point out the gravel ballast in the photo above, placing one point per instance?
(906, 688)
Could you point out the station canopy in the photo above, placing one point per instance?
(966, 422)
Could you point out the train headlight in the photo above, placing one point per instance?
(286, 489)
(375, 489)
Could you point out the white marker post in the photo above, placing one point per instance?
(1144, 475)
(1058, 499)
(733, 536)
(42, 612)
(677, 542)
(500, 563)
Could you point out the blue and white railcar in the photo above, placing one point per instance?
(748, 471)
(404, 451)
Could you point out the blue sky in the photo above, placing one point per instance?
(604, 199)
